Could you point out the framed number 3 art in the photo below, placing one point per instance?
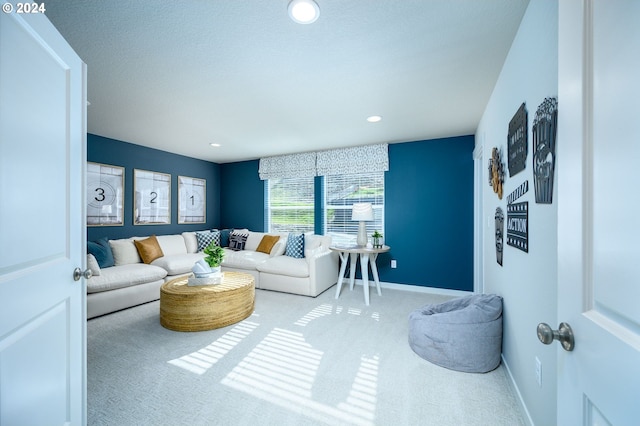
(192, 200)
(105, 193)
(151, 198)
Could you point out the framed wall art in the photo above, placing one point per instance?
(151, 198)
(192, 200)
(105, 195)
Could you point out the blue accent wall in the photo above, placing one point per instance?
(428, 210)
(131, 156)
(242, 196)
(429, 214)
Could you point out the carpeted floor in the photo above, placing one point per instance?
(295, 361)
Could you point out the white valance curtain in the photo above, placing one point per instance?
(356, 159)
(342, 161)
(288, 166)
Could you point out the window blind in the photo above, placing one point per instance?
(341, 192)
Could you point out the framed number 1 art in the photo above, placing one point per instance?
(192, 200)
(105, 193)
(151, 198)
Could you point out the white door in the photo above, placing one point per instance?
(599, 210)
(42, 231)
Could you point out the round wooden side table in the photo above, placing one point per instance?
(198, 308)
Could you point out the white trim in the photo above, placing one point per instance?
(516, 391)
(416, 288)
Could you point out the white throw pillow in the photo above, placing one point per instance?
(125, 251)
(172, 244)
(92, 264)
(190, 241)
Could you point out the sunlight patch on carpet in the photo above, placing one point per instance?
(200, 361)
(282, 369)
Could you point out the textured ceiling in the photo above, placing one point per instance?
(179, 75)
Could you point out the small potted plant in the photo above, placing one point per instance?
(214, 257)
(377, 239)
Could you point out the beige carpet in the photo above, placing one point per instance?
(295, 361)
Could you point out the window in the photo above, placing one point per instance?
(290, 204)
(341, 192)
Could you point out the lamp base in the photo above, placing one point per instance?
(362, 234)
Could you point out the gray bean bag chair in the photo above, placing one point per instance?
(463, 334)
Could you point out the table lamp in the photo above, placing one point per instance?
(362, 212)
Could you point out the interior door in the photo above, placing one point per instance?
(598, 210)
(42, 231)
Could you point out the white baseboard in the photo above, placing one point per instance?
(414, 288)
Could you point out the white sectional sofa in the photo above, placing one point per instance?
(132, 282)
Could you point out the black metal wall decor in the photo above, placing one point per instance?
(499, 221)
(518, 225)
(517, 141)
(518, 192)
(544, 149)
(496, 172)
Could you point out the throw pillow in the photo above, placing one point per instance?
(295, 246)
(149, 249)
(101, 250)
(237, 241)
(267, 242)
(92, 264)
(224, 237)
(204, 239)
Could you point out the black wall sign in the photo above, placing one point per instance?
(499, 221)
(544, 149)
(518, 225)
(517, 141)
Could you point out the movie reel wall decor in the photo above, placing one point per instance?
(496, 172)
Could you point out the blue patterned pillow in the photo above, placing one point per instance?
(101, 250)
(205, 238)
(295, 246)
(237, 241)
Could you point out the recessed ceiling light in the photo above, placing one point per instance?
(215, 145)
(374, 119)
(304, 11)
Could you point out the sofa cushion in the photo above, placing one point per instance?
(178, 263)
(245, 259)
(148, 249)
(92, 264)
(237, 241)
(253, 240)
(124, 251)
(101, 250)
(172, 244)
(190, 241)
(124, 276)
(279, 247)
(206, 237)
(267, 243)
(295, 246)
(285, 265)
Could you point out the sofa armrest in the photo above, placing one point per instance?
(323, 269)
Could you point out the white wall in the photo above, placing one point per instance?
(526, 281)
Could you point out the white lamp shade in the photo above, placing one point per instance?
(362, 211)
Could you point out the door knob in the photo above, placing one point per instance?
(563, 334)
(77, 274)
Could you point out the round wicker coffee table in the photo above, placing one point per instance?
(198, 308)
